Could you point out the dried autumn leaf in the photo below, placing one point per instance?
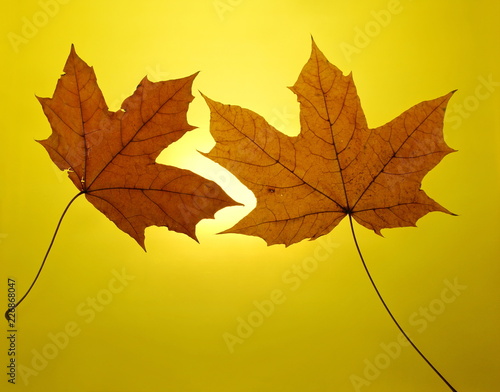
(110, 156)
(336, 166)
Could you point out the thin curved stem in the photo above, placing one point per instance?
(390, 313)
(7, 313)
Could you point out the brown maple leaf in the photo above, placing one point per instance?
(110, 156)
(336, 166)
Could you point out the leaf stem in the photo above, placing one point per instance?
(7, 313)
(390, 313)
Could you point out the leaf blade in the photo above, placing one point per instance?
(336, 166)
(111, 156)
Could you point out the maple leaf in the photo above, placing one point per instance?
(110, 156)
(336, 166)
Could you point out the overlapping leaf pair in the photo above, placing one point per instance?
(304, 185)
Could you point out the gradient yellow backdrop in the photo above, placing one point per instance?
(165, 324)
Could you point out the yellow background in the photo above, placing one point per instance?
(164, 330)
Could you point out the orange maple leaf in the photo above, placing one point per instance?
(336, 166)
(110, 156)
